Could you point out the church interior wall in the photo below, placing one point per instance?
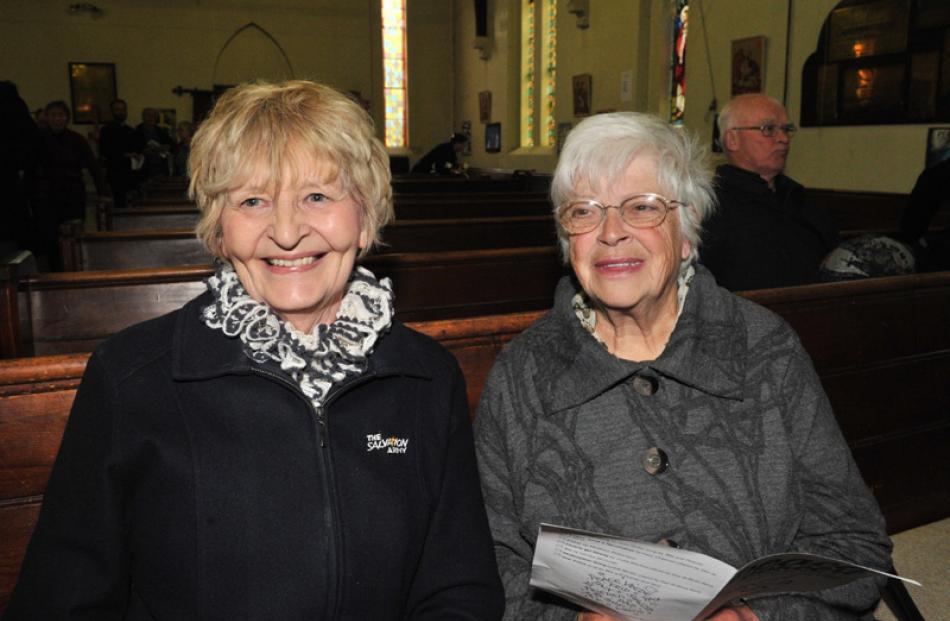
(159, 45)
(878, 158)
(626, 35)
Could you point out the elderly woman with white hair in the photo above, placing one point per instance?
(650, 403)
(280, 447)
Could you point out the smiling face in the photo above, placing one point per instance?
(623, 269)
(294, 246)
(748, 148)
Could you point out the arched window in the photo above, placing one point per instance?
(394, 73)
(538, 72)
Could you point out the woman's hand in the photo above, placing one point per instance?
(734, 613)
(593, 616)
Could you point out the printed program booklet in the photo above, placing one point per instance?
(642, 581)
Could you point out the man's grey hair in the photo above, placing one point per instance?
(727, 117)
(599, 150)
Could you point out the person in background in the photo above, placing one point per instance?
(156, 144)
(39, 115)
(651, 403)
(183, 134)
(281, 447)
(120, 145)
(931, 195)
(764, 233)
(59, 188)
(443, 159)
(19, 144)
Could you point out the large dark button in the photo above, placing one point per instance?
(655, 461)
(644, 384)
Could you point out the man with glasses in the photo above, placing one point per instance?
(763, 234)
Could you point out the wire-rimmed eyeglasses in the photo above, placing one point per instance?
(643, 211)
(770, 129)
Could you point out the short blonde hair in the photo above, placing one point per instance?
(284, 125)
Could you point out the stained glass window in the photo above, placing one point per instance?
(538, 72)
(678, 76)
(394, 72)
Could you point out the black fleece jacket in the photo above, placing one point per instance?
(193, 483)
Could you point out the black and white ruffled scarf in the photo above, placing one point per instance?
(329, 355)
(584, 310)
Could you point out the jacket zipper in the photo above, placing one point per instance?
(329, 489)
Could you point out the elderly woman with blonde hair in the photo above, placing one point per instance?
(281, 447)
(650, 403)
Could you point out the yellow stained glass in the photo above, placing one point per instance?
(538, 73)
(394, 72)
(549, 76)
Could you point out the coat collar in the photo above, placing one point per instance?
(199, 352)
(747, 181)
(706, 351)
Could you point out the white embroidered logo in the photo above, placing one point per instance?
(392, 444)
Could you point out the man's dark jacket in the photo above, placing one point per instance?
(193, 483)
(758, 238)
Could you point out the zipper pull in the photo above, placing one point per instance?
(321, 427)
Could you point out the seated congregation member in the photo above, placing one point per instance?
(443, 159)
(156, 144)
(931, 195)
(280, 447)
(651, 403)
(59, 188)
(764, 233)
(121, 146)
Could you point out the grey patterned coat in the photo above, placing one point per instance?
(757, 464)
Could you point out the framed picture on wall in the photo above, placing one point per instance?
(484, 106)
(493, 137)
(938, 145)
(581, 85)
(91, 90)
(748, 65)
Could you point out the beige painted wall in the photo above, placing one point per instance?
(635, 35)
(159, 45)
(882, 158)
(618, 40)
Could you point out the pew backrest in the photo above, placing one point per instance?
(184, 214)
(114, 250)
(881, 348)
(67, 312)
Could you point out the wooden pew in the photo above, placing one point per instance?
(67, 312)
(183, 214)
(881, 347)
(107, 250)
(857, 213)
(475, 181)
